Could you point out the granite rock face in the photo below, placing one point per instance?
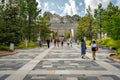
(55, 18)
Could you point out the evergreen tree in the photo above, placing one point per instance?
(44, 26)
(9, 29)
(85, 25)
(18, 21)
(98, 17)
(32, 14)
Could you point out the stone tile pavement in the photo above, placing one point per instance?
(58, 63)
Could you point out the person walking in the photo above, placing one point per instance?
(62, 42)
(71, 43)
(48, 43)
(93, 48)
(83, 48)
(40, 43)
(54, 42)
(58, 42)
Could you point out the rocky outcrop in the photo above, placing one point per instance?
(55, 18)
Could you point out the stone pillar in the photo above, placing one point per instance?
(72, 33)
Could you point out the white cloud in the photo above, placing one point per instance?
(94, 4)
(60, 8)
(39, 4)
(46, 7)
(80, 3)
(67, 9)
(70, 8)
(73, 7)
(52, 4)
(53, 12)
(118, 3)
(105, 3)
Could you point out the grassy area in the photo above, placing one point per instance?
(19, 46)
(29, 45)
(4, 47)
(5, 50)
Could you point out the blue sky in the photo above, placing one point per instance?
(72, 7)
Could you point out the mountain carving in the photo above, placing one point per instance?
(63, 24)
(55, 18)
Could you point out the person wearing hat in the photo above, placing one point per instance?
(93, 47)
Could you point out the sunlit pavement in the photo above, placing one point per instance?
(58, 63)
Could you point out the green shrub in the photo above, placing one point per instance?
(20, 45)
(111, 43)
(105, 41)
(32, 44)
(117, 43)
(4, 47)
(88, 42)
(23, 45)
(118, 51)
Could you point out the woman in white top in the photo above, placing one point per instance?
(93, 47)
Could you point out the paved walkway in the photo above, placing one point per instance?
(58, 63)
